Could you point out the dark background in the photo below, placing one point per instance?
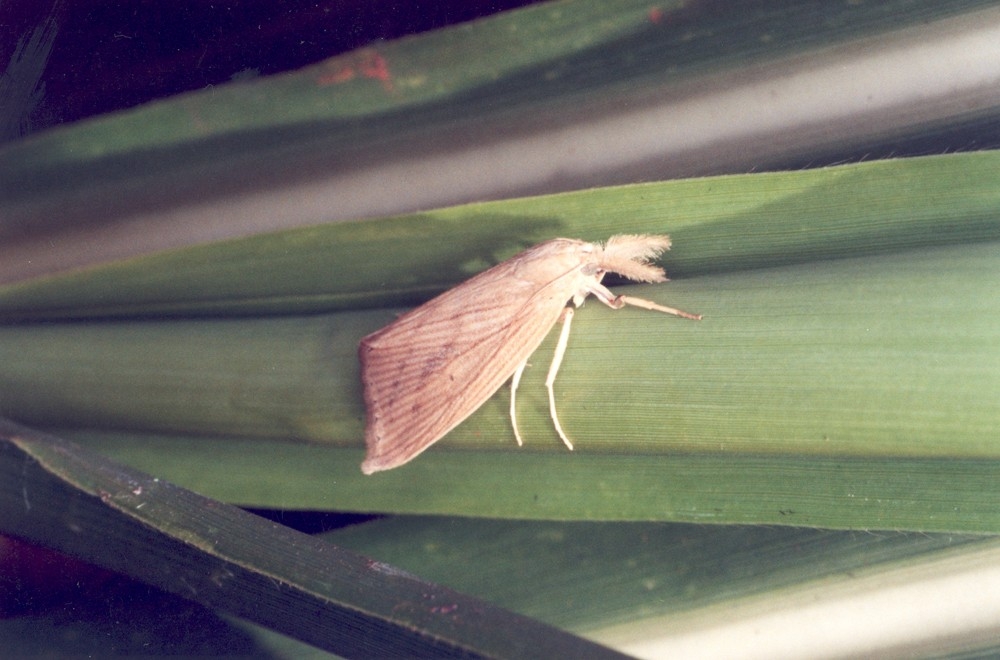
(105, 55)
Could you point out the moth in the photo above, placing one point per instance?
(434, 366)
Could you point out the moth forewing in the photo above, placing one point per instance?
(434, 366)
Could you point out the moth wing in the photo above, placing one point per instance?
(433, 367)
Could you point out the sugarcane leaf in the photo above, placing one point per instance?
(54, 493)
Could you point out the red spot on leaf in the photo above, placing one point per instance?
(341, 75)
(367, 63)
(375, 67)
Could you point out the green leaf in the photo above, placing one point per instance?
(558, 96)
(718, 224)
(866, 381)
(714, 591)
(55, 494)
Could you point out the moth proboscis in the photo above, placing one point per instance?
(437, 364)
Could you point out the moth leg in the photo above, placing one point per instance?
(567, 319)
(617, 302)
(621, 301)
(513, 395)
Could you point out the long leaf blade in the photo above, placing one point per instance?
(718, 224)
(54, 493)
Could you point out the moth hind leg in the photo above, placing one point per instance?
(566, 319)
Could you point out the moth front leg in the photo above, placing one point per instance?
(603, 294)
(621, 301)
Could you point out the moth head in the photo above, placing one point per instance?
(592, 269)
(629, 255)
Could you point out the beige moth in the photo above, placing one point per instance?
(434, 366)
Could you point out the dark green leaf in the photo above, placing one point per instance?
(55, 494)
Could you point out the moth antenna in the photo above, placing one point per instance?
(629, 255)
